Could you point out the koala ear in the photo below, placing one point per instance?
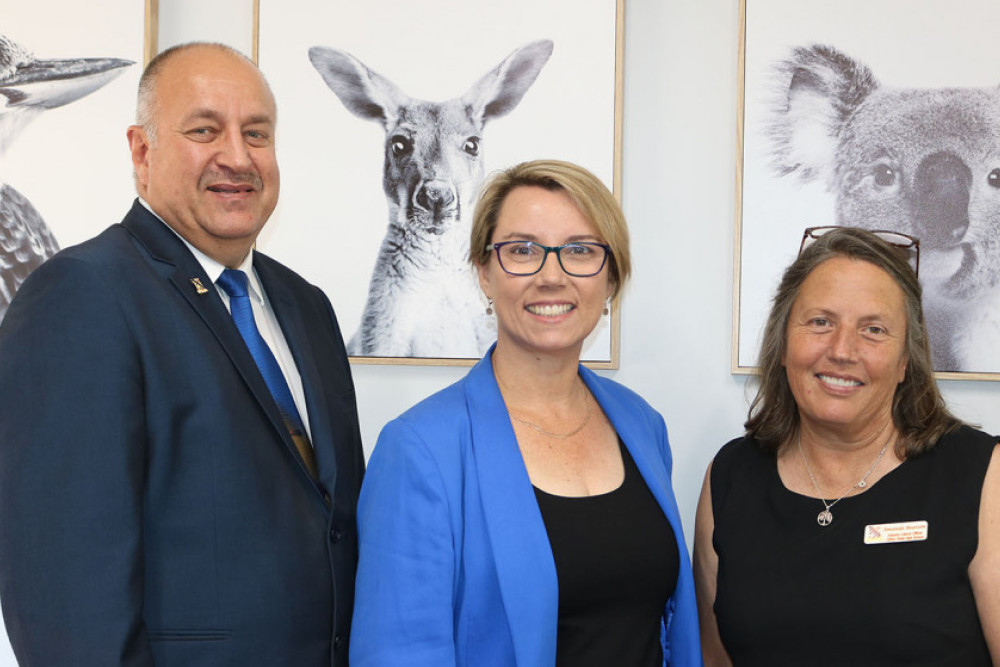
(818, 89)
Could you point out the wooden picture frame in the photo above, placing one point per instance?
(332, 214)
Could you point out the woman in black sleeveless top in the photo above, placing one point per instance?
(857, 522)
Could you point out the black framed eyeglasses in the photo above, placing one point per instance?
(910, 244)
(524, 258)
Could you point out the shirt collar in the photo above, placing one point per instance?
(212, 268)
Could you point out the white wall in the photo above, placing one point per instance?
(679, 166)
(679, 190)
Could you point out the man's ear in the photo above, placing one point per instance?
(138, 144)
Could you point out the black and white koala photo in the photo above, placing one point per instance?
(922, 161)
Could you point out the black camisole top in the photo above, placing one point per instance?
(617, 562)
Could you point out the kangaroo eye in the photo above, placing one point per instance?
(884, 175)
(471, 146)
(400, 146)
(994, 178)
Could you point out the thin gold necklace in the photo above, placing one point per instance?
(557, 436)
(825, 517)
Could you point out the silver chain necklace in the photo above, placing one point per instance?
(825, 517)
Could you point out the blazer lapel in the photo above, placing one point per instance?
(176, 263)
(525, 568)
(293, 326)
(633, 429)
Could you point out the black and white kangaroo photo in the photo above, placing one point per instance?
(423, 297)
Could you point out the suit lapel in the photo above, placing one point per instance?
(176, 264)
(525, 568)
(293, 326)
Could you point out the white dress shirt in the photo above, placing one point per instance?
(263, 315)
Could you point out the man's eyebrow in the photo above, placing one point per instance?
(213, 115)
(203, 114)
(259, 119)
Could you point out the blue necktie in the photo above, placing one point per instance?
(234, 283)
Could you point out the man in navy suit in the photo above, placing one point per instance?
(160, 502)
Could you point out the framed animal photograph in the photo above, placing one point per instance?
(390, 117)
(68, 77)
(882, 114)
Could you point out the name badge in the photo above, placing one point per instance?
(891, 533)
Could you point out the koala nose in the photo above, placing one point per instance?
(942, 197)
(435, 195)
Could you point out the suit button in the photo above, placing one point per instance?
(335, 535)
(337, 642)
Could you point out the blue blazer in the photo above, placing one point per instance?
(153, 509)
(456, 567)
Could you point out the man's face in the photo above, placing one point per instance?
(211, 172)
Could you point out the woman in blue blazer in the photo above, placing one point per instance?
(524, 515)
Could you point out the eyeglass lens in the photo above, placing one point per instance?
(526, 257)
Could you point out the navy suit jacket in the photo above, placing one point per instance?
(153, 509)
(456, 567)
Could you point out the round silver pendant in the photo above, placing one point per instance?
(824, 518)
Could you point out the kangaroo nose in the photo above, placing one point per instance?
(435, 195)
(942, 188)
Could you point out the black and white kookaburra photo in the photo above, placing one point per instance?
(29, 86)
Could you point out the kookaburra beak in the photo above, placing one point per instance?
(53, 83)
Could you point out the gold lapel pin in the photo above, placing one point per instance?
(198, 287)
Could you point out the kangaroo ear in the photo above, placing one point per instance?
(818, 89)
(364, 92)
(498, 92)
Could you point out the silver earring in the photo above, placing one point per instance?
(607, 307)
(489, 306)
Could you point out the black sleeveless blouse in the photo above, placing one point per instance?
(792, 592)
